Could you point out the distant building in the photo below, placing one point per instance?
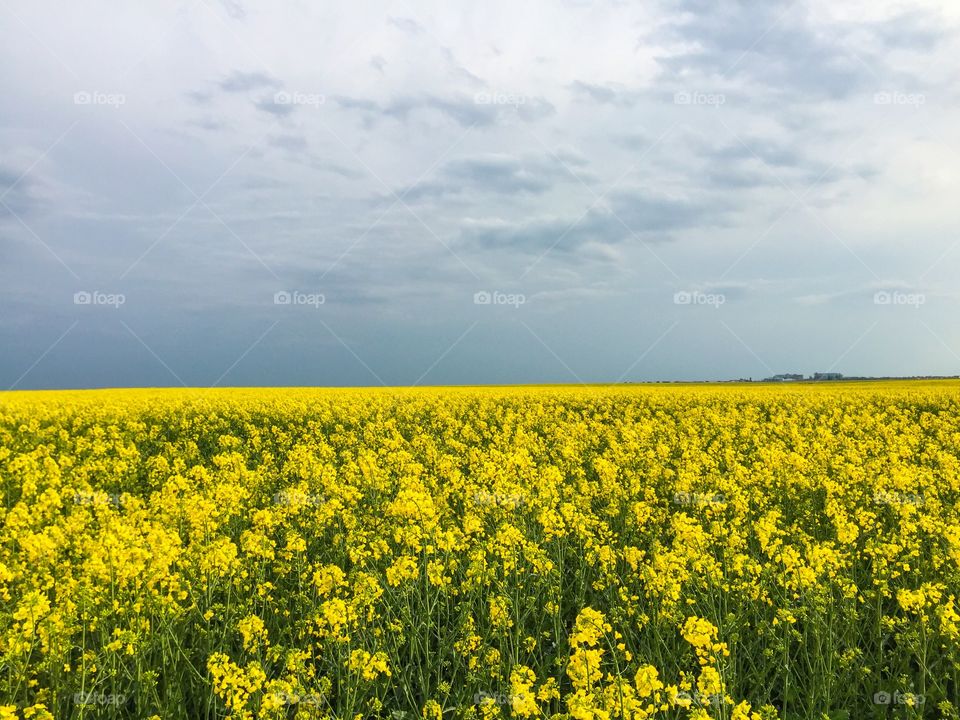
(827, 376)
(784, 377)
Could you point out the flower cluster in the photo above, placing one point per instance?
(481, 552)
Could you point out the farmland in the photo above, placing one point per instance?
(740, 552)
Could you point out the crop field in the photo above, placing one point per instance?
(736, 552)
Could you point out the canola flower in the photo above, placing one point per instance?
(596, 553)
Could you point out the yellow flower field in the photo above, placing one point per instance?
(726, 551)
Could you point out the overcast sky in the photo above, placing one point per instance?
(346, 193)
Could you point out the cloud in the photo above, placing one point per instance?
(770, 152)
(492, 173)
(293, 143)
(724, 41)
(271, 106)
(634, 140)
(912, 29)
(605, 94)
(571, 156)
(238, 82)
(555, 117)
(757, 161)
(15, 193)
(212, 124)
(199, 97)
(462, 110)
(644, 211)
(234, 9)
(865, 295)
(459, 71)
(406, 25)
(625, 216)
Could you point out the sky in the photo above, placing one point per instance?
(395, 193)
